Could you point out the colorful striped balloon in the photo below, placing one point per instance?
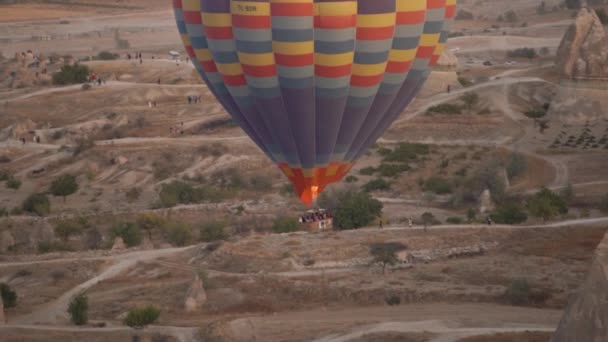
(314, 83)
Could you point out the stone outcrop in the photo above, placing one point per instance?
(586, 317)
(7, 241)
(583, 52)
(196, 296)
(486, 204)
(448, 60)
(119, 244)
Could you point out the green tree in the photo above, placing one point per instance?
(68, 228)
(140, 317)
(428, 219)
(178, 233)
(78, 309)
(13, 183)
(150, 222)
(9, 297)
(351, 209)
(546, 204)
(38, 204)
(285, 225)
(510, 213)
(516, 166)
(213, 231)
(129, 232)
(518, 292)
(64, 186)
(71, 74)
(385, 254)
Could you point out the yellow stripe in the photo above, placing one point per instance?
(191, 5)
(287, 171)
(186, 39)
(290, 48)
(217, 19)
(203, 55)
(376, 20)
(249, 8)
(429, 39)
(334, 59)
(411, 5)
(438, 49)
(256, 58)
(369, 69)
(331, 171)
(451, 2)
(230, 69)
(290, 1)
(402, 55)
(335, 8)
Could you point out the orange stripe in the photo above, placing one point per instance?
(259, 70)
(365, 81)
(234, 80)
(218, 32)
(335, 22)
(294, 60)
(292, 9)
(398, 67)
(408, 18)
(375, 33)
(333, 71)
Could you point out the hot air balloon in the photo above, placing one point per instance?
(314, 83)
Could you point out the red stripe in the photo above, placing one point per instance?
(450, 11)
(435, 3)
(177, 3)
(292, 9)
(234, 80)
(425, 51)
(224, 32)
(365, 81)
(208, 66)
(251, 21)
(434, 60)
(333, 71)
(375, 33)
(294, 60)
(190, 51)
(398, 67)
(335, 22)
(408, 18)
(259, 70)
(192, 17)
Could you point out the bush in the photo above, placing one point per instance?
(407, 152)
(438, 185)
(518, 292)
(511, 213)
(64, 186)
(285, 225)
(66, 229)
(392, 170)
(9, 297)
(351, 209)
(536, 113)
(133, 194)
(140, 317)
(213, 231)
(51, 246)
(522, 53)
(377, 184)
(393, 300)
(178, 233)
(385, 254)
(71, 74)
(445, 108)
(464, 15)
(351, 179)
(368, 171)
(511, 16)
(38, 204)
(454, 220)
(178, 192)
(428, 219)
(546, 204)
(106, 56)
(13, 183)
(470, 99)
(601, 13)
(465, 82)
(260, 183)
(150, 222)
(517, 165)
(129, 232)
(78, 310)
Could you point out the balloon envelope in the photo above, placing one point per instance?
(314, 83)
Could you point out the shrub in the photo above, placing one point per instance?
(393, 300)
(213, 231)
(133, 194)
(140, 317)
(351, 209)
(351, 179)
(546, 204)
(465, 82)
(517, 165)
(470, 99)
(129, 232)
(150, 222)
(604, 204)
(285, 225)
(178, 233)
(535, 113)
(511, 16)
(13, 183)
(392, 170)
(377, 184)
(175, 193)
(78, 310)
(444, 108)
(4, 175)
(603, 15)
(428, 219)
(260, 183)
(52, 246)
(38, 204)
(385, 254)
(438, 185)
(71, 74)
(66, 229)
(518, 292)
(464, 15)
(407, 152)
(522, 53)
(106, 56)
(510, 213)
(454, 220)
(368, 171)
(64, 186)
(9, 296)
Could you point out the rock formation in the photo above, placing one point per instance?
(196, 296)
(448, 60)
(486, 204)
(586, 317)
(119, 244)
(7, 241)
(583, 52)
